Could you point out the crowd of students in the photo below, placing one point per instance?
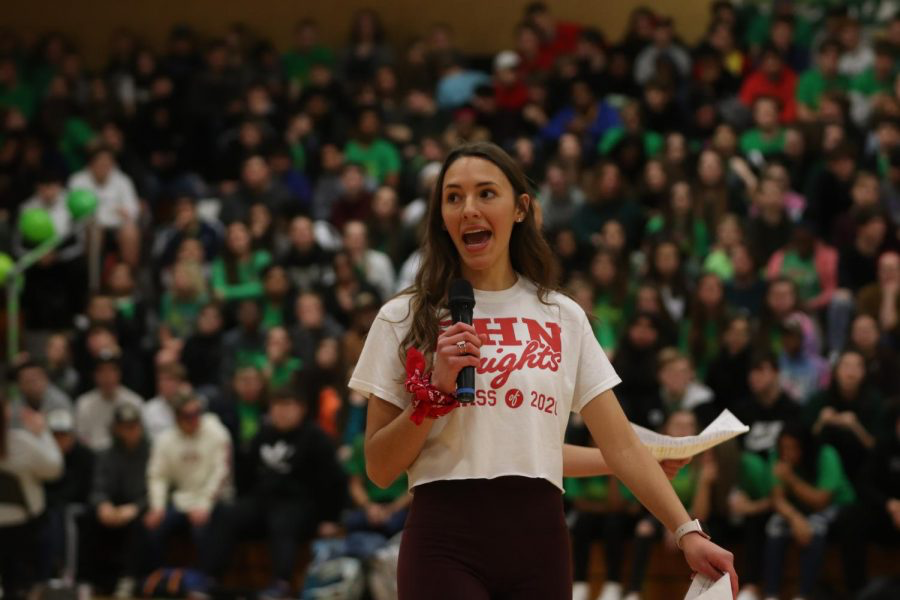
(727, 213)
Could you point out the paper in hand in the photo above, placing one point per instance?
(723, 428)
(704, 588)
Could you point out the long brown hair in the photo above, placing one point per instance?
(700, 318)
(529, 252)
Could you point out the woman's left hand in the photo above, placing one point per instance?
(709, 559)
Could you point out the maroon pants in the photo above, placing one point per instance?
(486, 539)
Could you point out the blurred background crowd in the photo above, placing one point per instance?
(727, 212)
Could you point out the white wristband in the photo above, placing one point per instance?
(689, 527)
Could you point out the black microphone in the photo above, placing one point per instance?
(462, 301)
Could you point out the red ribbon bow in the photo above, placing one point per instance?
(427, 401)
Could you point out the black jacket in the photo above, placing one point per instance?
(120, 476)
(766, 422)
(74, 485)
(202, 358)
(881, 474)
(727, 377)
(299, 465)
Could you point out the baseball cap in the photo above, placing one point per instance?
(507, 59)
(60, 420)
(126, 413)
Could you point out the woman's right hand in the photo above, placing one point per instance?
(448, 362)
(705, 557)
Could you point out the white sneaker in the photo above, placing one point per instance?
(581, 590)
(611, 591)
(125, 588)
(632, 596)
(747, 595)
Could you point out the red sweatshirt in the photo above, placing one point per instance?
(757, 84)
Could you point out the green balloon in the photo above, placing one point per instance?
(81, 203)
(6, 265)
(36, 226)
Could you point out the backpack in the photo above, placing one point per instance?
(334, 579)
(383, 570)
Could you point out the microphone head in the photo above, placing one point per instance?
(461, 293)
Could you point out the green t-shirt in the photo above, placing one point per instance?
(830, 476)
(868, 84)
(719, 262)
(74, 140)
(698, 242)
(126, 307)
(249, 277)
(754, 140)
(711, 337)
(594, 489)
(22, 97)
(297, 65)
(283, 373)
(608, 322)
(760, 24)
(379, 158)
(653, 142)
(812, 84)
(803, 273)
(273, 315)
(249, 416)
(298, 157)
(755, 476)
(180, 314)
(684, 483)
(246, 357)
(356, 465)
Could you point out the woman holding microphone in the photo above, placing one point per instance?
(487, 519)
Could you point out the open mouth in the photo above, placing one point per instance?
(476, 240)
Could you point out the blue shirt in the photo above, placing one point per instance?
(456, 89)
(607, 117)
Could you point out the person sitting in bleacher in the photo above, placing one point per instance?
(94, 409)
(810, 486)
(294, 488)
(188, 480)
(67, 497)
(28, 457)
(114, 543)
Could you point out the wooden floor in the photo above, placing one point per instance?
(668, 576)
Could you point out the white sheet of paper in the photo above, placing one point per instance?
(723, 428)
(704, 588)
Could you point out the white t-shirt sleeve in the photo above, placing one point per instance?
(595, 373)
(129, 198)
(379, 370)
